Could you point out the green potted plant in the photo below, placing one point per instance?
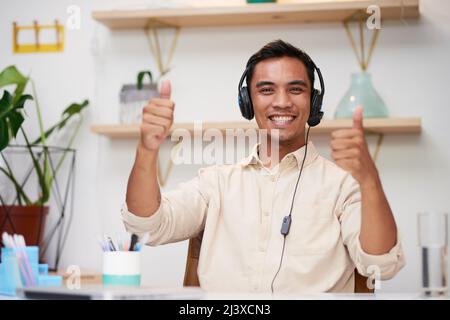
(26, 214)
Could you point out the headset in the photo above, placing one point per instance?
(316, 113)
(315, 116)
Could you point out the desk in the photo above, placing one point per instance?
(317, 296)
(197, 294)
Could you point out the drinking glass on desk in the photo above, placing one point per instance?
(433, 241)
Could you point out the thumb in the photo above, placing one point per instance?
(358, 118)
(165, 89)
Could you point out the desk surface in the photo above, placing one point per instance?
(319, 296)
(194, 293)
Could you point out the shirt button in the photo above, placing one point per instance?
(273, 178)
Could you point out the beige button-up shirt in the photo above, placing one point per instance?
(240, 207)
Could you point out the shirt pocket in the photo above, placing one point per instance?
(314, 229)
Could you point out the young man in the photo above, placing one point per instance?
(339, 216)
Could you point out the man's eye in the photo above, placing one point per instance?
(266, 90)
(296, 90)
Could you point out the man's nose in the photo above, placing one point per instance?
(282, 100)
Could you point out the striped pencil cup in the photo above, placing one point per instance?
(121, 268)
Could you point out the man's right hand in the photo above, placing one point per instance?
(157, 119)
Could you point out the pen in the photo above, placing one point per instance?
(134, 239)
(102, 244)
(111, 244)
(142, 242)
(20, 241)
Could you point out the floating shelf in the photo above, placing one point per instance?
(254, 14)
(390, 125)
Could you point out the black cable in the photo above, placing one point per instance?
(279, 267)
(290, 211)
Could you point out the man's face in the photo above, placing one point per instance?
(281, 91)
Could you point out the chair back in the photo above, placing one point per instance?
(191, 277)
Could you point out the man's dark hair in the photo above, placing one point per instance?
(278, 49)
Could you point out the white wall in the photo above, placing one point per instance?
(410, 70)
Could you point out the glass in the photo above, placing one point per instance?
(361, 92)
(433, 240)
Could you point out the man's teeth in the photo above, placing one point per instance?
(281, 118)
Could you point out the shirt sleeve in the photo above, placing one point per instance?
(384, 266)
(180, 216)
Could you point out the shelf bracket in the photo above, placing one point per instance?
(360, 17)
(380, 139)
(152, 33)
(378, 147)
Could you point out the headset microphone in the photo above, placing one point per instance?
(286, 225)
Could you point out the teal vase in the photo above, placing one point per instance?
(361, 92)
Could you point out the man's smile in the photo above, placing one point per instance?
(281, 120)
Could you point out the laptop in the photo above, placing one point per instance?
(98, 292)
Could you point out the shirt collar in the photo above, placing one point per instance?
(253, 158)
(297, 155)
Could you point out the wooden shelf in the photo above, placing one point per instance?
(254, 14)
(389, 125)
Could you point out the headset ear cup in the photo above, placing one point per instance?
(245, 104)
(241, 102)
(315, 114)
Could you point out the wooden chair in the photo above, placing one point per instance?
(191, 277)
(190, 273)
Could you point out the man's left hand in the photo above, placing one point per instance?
(350, 151)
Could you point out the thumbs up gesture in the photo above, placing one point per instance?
(350, 151)
(157, 119)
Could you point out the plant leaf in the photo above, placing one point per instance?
(11, 117)
(15, 121)
(3, 134)
(5, 104)
(68, 113)
(75, 108)
(12, 76)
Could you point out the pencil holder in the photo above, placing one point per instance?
(121, 268)
(10, 278)
(15, 273)
(11, 272)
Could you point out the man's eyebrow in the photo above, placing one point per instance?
(298, 82)
(264, 83)
(270, 83)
